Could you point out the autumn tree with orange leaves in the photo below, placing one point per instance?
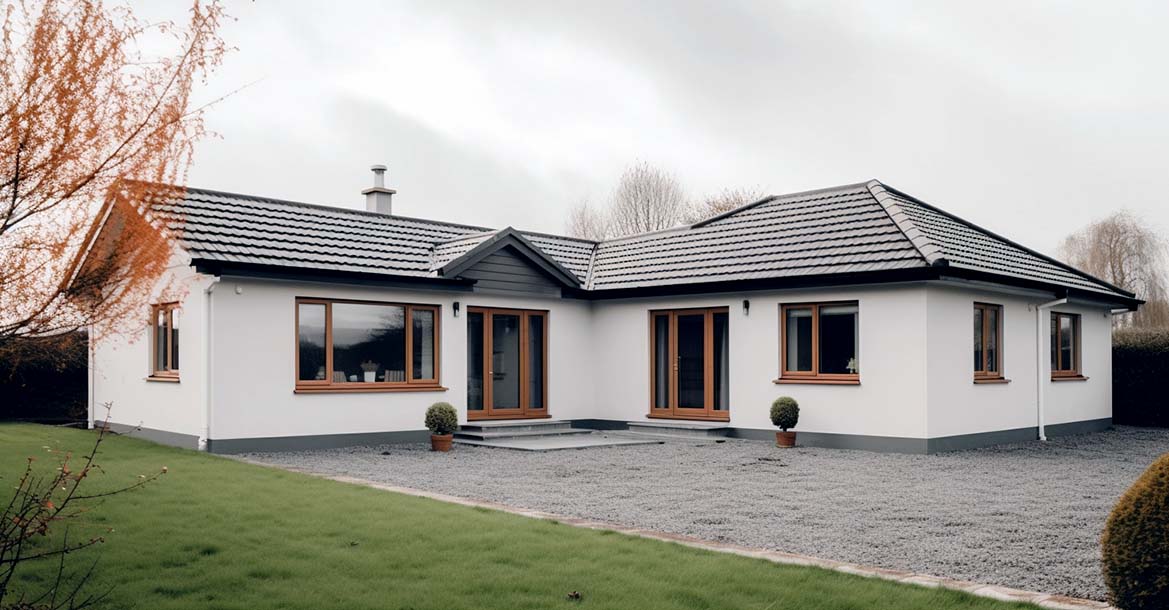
(87, 123)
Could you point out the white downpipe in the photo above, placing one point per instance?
(205, 442)
(90, 382)
(1041, 366)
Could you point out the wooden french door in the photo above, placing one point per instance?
(507, 363)
(689, 366)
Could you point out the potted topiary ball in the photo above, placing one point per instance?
(785, 413)
(442, 420)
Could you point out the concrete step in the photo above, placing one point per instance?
(516, 425)
(497, 434)
(680, 429)
(559, 442)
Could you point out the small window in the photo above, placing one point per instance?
(821, 342)
(1065, 345)
(362, 345)
(164, 344)
(988, 338)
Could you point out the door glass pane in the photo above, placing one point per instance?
(1066, 343)
(310, 341)
(978, 339)
(174, 339)
(535, 362)
(505, 361)
(799, 340)
(159, 323)
(661, 352)
(691, 361)
(721, 361)
(838, 339)
(475, 361)
(369, 343)
(992, 340)
(422, 336)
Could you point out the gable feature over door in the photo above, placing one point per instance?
(507, 262)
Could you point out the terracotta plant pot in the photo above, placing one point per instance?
(785, 439)
(441, 442)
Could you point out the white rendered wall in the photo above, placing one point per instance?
(254, 354)
(889, 402)
(121, 364)
(959, 406)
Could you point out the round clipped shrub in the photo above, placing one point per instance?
(1135, 545)
(441, 418)
(785, 412)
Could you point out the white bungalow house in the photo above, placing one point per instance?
(897, 326)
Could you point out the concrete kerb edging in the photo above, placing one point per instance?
(1044, 600)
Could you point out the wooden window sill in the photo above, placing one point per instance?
(358, 389)
(992, 380)
(164, 379)
(1068, 378)
(816, 381)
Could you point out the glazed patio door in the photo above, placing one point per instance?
(506, 363)
(689, 364)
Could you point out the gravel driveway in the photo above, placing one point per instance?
(1026, 515)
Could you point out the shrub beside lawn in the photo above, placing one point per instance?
(216, 533)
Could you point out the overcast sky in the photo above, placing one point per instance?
(1031, 119)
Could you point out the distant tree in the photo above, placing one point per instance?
(724, 201)
(1123, 250)
(646, 199)
(587, 222)
(87, 119)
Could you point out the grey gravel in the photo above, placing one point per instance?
(1027, 515)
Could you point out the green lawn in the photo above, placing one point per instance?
(215, 533)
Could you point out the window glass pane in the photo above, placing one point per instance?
(1054, 342)
(661, 349)
(978, 339)
(505, 361)
(992, 340)
(423, 339)
(475, 361)
(369, 343)
(174, 339)
(536, 362)
(310, 340)
(721, 361)
(692, 361)
(1066, 343)
(799, 340)
(159, 339)
(838, 339)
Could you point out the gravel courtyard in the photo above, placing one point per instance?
(1027, 515)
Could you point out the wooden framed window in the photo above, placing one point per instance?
(1065, 345)
(164, 341)
(820, 343)
(988, 340)
(344, 345)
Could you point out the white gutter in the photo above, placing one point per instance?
(205, 442)
(1040, 337)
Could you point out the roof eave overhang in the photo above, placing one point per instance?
(299, 274)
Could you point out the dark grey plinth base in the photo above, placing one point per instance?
(316, 441)
(162, 437)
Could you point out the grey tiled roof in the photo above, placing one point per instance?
(849, 229)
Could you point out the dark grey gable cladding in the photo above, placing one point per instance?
(858, 233)
(518, 248)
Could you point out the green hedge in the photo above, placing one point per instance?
(1140, 377)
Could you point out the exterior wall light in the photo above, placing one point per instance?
(746, 307)
(456, 308)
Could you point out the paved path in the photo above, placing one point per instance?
(1026, 516)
